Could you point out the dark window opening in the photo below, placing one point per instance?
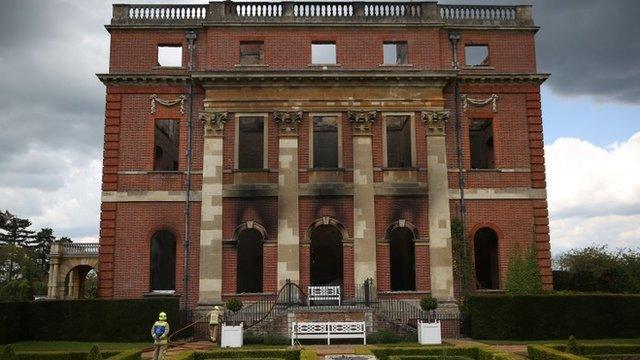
(395, 53)
(249, 261)
(251, 143)
(325, 142)
(481, 143)
(326, 256)
(170, 55)
(398, 141)
(166, 141)
(485, 245)
(163, 261)
(251, 53)
(402, 259)
(476, 55)
(323, 53)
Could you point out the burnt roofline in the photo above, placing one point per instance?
(321, 13)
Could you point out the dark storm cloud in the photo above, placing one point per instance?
(590, 47)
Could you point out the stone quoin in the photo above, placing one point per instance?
(321, 143)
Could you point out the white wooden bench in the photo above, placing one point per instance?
(323, 293)
(329, 330)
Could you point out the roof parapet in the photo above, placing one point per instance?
(290, 12)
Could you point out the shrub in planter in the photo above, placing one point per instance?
(234, 305)
(428, 303)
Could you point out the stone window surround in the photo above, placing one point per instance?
(412, 123)
(236, 140)
(339, 120)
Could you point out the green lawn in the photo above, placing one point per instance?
(635, 341)
(74, 346)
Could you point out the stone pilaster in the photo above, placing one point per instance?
(364, 234)
(440, 249)
(288, 227)
(210, 285)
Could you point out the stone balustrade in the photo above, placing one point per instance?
(290, 12)
(76, 249)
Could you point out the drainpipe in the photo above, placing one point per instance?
(191, 37)
(454, 37)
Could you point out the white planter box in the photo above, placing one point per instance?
(429, 333)
(231, 336)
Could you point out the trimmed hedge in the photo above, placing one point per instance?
(84, 320)
(127, 355)
(11, 329)
(60, 355)
(427, 357)
(541, 352)
(242, 354)
(603, 349)
(386, 353)
(554, 316)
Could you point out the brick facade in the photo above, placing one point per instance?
(138, 201)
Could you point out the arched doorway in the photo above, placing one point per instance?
(402, 259)
(326, 256)
(81, 283)
(163, 261)
(249, 261)
(485, 245)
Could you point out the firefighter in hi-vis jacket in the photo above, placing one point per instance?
(160, 334)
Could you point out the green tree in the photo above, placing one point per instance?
(41, 246)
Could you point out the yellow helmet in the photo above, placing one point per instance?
(162, 316)
(216, 307)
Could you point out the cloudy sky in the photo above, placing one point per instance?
(51, 115)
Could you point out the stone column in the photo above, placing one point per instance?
(288, 222)
(364, 225)
(440, 249)
(56, 285)
(210, 284)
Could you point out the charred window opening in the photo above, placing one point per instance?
(251, 53)
(323, 53)
(251, 143)
(325, 142)
(398, 141)
(481, 143)
(476, 55)
(485, 244)
(326, 256)
(395, 53)
(402, 259)
(166, 145)
(163, 261)
(170, 55)
(249, 266)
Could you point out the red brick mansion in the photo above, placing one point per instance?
(247, 144)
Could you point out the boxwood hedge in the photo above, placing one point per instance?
(554, 316)
(84, 320)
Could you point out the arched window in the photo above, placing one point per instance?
(402, 259)
(485, 245)
(249, 261)
(163, 261)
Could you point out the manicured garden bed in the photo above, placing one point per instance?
(585, 352)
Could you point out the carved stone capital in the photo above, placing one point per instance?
(213, 123)
(288, 122)
(361, 121)
(435, 121)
